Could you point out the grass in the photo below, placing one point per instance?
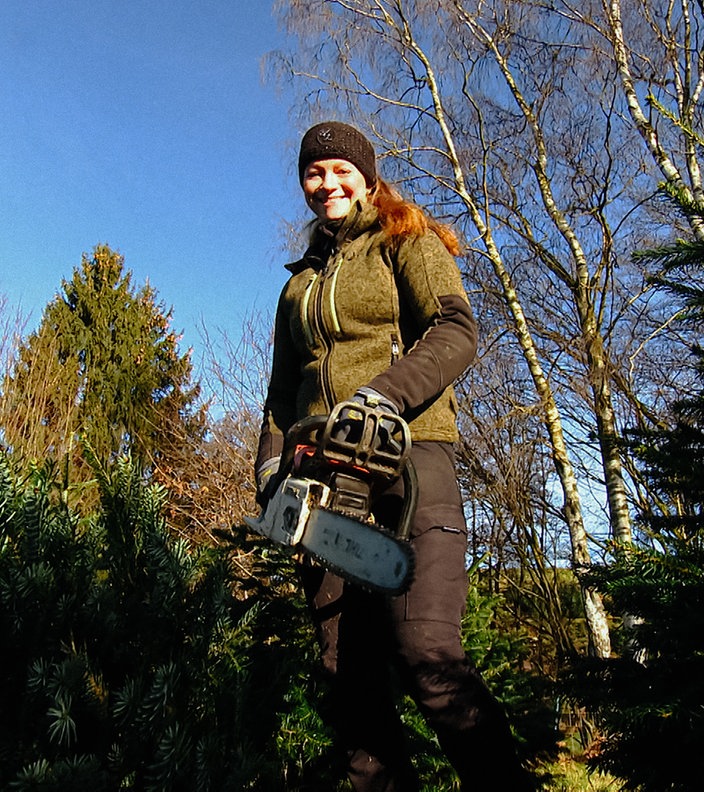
(570, 775)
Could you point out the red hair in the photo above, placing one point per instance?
(401, 218)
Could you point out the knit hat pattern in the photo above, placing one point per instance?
(335, 140)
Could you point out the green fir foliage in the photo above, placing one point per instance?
(502, 651)
(128, 662)
(651, 701)
(652, 710)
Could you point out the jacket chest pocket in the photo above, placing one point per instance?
(362, 296)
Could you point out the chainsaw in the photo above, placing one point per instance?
(332, 466)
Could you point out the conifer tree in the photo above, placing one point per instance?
(132, 660)
(653, 711)
(103, 369)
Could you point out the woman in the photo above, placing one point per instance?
(376, 311)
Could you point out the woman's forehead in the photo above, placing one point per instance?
(331, 162)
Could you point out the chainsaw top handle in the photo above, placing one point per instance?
(362, 437)
(356, 435)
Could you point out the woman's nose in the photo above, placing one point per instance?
(330, 181)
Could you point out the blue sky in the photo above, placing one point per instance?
(144, 124)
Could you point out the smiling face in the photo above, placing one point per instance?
(332, 186)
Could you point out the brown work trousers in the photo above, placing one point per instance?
(362, 634)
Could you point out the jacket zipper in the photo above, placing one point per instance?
(395, 348)
(333, 285)
(315, 291)
(325, 385)
(307, 329)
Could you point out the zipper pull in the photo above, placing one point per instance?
(394, 349)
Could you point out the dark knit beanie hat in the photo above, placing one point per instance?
(334, 140)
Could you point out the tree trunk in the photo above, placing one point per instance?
(594, 608)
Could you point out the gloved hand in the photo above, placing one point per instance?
(372, 398)
(380, 404)
(266, 479)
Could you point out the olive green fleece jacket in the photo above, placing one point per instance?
(361, 309)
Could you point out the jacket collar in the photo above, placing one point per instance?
(326, 240)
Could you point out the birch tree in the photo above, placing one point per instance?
(658, 50)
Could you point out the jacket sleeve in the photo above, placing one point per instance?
(431, 292)
(280, 403)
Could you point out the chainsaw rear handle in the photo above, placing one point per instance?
(378, 441)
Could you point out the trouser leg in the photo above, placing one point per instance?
(353, 634)
(358, 631)
(469, 722)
